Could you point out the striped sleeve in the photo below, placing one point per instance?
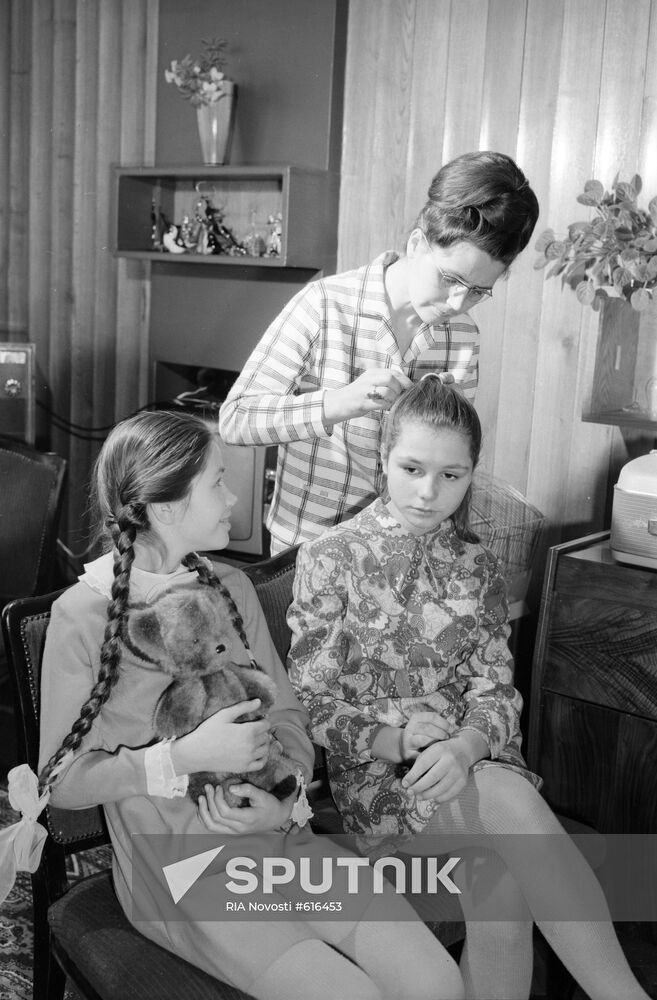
(276, 399)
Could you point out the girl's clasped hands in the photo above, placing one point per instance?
(440, 762)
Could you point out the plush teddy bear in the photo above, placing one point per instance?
(188, 635)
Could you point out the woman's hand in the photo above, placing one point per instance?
(375, 389)
(264, 812)
(422, 729)
(221, 743)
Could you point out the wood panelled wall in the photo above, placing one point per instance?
(569, 89)
(77, 93)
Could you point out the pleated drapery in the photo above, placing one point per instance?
(77, 94)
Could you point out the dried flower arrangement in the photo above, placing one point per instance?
(200, 81)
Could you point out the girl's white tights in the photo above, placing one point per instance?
(498, 956)
(545, 875)
(377, 960)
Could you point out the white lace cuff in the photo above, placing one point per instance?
(161, 778)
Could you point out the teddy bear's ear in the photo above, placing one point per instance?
(144, 633)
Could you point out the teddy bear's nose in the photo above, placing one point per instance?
(220, 648)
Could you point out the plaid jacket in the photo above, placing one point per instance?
(332, 331)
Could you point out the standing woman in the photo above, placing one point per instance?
(345, 346)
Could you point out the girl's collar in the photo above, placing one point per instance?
(379, 509)
(99, 576)
(433, 550)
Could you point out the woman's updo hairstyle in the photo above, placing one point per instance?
(440, 406)
(482, 198)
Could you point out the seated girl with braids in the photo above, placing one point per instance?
(161, 497)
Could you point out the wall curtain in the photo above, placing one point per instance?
(77, 94)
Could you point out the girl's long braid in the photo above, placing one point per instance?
(123, 530)
(207, 576)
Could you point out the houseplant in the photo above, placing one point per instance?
(202, 82)
(613, 253)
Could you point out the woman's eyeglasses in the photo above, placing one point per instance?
(471, 293)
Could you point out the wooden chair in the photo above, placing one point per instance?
(30, 508)
(80, 930)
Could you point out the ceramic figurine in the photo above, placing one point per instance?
(220, 235)
(170, 240)
(254, 241)
(186, 235)
(157, 229)
(275, 235)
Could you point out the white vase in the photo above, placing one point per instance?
(215, 125)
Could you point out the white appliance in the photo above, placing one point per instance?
(634, 513)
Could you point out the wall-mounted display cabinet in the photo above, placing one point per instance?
(624, 389)
(305, 199)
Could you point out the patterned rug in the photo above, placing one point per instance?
(16, 917)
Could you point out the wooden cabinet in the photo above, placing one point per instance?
(306, 200)
(593, 706)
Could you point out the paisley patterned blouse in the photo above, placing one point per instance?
(385, 624)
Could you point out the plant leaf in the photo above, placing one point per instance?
(585, 292)
(556, 249)
(540, 263)
(599, 300)
(652, 208)
(640, 299)
(593, 193)
(576, 229)
(651, 268)
(556, 269)
(625, 192)
(544, 240)
(628, 256)
(621, 278)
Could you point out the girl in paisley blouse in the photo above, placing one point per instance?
(400, 655)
